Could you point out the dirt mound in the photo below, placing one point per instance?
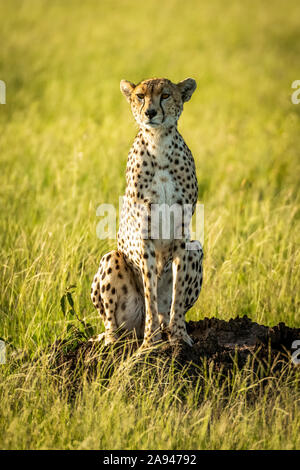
(240, 338)
(227, 344)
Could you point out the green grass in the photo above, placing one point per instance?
(65, 133)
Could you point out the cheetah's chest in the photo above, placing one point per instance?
(163, 188)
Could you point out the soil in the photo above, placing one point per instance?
(227, 344)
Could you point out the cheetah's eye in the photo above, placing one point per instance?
(164, 96)
(140, 96)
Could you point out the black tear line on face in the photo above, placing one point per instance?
(143, 104)
(162, 109)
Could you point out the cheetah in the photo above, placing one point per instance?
(149, 283)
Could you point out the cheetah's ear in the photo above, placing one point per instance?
(187, 88)
(126, 88)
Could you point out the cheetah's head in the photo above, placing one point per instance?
(157, 102)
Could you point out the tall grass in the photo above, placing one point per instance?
(149, 406)
(65, 134)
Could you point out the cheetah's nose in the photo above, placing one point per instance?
(150, 113)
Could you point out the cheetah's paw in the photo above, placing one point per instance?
(177, 339)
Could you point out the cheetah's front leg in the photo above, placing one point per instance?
(177, 325)
(152, 332)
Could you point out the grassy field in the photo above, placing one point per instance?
(65, 133)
